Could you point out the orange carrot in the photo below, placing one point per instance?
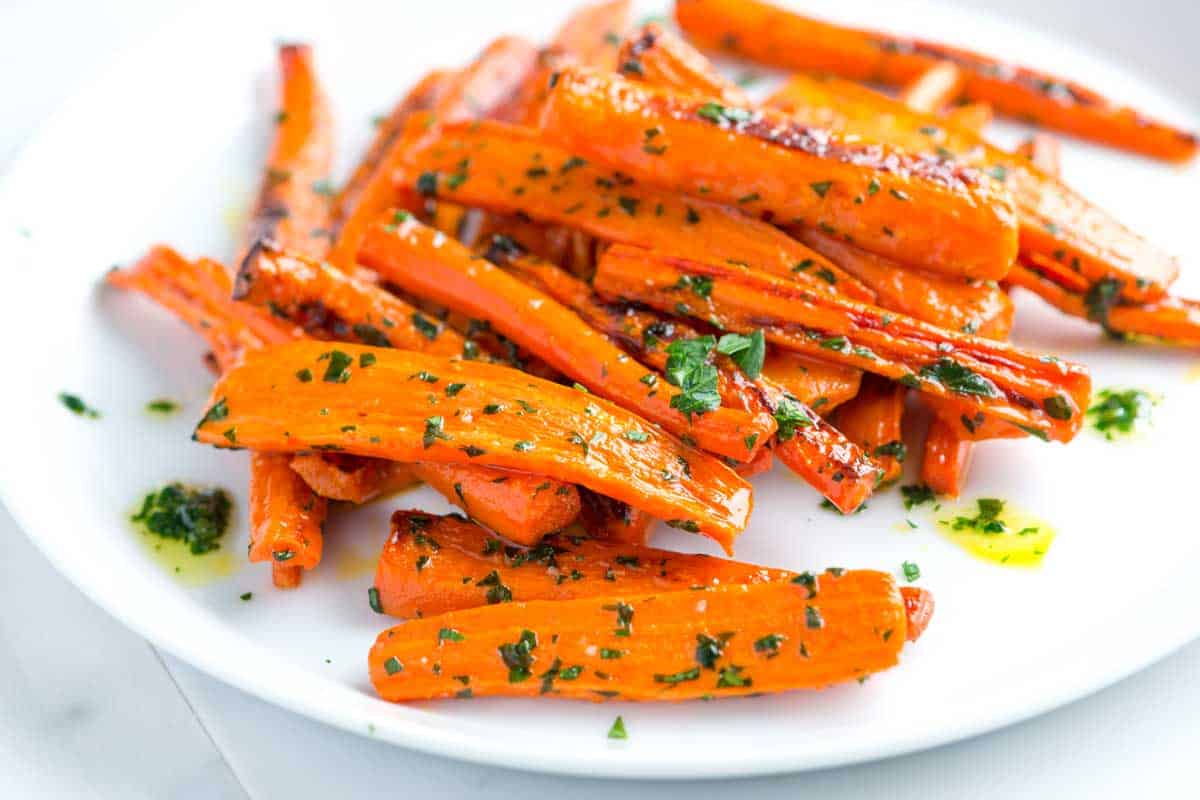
(352, 479)
(1059, 229)
(947, 458)
(293, 203)
(675, 645)
(285, 514)
(918, 606)
(406, 406)
(973, 117)
(1043, 151)
(509, 169)
(427, 559)
(820, 385)
(763, 32)
(424, 262)
(660, 58)
(872, 421)
(935, 215)
(1045, 397)
(934, 88)
(592, 34)
(613, 521)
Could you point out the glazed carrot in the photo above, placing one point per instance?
(380, 403)
(872, 421)
(352, 479)
(1044, 396)
(680, 645)
(424, 262)
(946, 459)
(973, 117)
(285, 514)
(422, 97)
(519, 506)
(509, 169)
(971, 306)
(820, 385)
(933, 89)
(935, 215)
(613, 521)
(427, 559)
(286, 577)
(592, 34)
(760, 31)
(293, 205)
(660, 58)
(472, 93)
(918, 606)
(1059, 229)
(1043, 151)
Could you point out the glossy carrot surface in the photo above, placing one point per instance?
(872, 421)
(285, 514)
(351, 479)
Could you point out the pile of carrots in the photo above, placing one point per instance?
(588, 286)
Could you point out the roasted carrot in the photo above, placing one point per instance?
(946, 458)
(352, 479)
(763, 32)
(427, 559)
(406, 406)
(660, 58)
(517, 505)
(1059, 229)
(933, 89)
(1045, 397)
(293, 205)
(611, 520)
(918, 606)
(592, 34)
(818, 384)
(677, 645)
(509, 169)
(935, 215)
(471, 94)
(285, 514)
(972, 117)
(872, 421)
(426, 263)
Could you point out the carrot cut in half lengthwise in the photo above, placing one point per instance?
(406, 406)
(427, 559)
(426, 263)
(1046, 397)
(919, 211)
(675, 645)
(285, 514)
(764, 32)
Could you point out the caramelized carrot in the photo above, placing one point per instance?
(471, 94)
(427, 559)
(676, 645)
(509, 169)
(918, 607)
(1043, 396)
(286, 577)
(1059, 229)
(933, 89)
(946, 459)
(293, 205)
(285, 514)
(872, 421)
(820, 385)
(352, 479)
(936, 215)
(613, 521)
(592, 34)
(763, 32)
(660, 58)
(973, 117)
(406, 406)
(424, 262)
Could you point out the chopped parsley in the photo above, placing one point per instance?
(959, 379)
(911, 571)
(689, 369)
(917, 494)
(748, 352)
(617, 731)
(1116, 412)
(75, 405)
(196, 517)
(162, 405)
(518, 656)
(338, 370)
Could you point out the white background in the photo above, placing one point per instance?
(88, 709)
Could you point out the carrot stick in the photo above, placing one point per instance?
(674, 645)
(939, 216)
(591, 35)
(426, 263)
(1059, 229)
(660, 58)
(918, 606)
(935, 88)
(760, 31)
(285, 514)
(820, 385)
(293, 205)
(351, 479)
(613, 521)
(947, 458)
(973, 117)
(427, 559)
(406, 406)
(472, 94)
(508, 169)
(872, 421)
(1045, 397)
(284, 576)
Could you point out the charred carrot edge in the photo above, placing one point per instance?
(946, 459)
(509, 169)
(1059, 228)
(521, 507)
(937, 215)
(660, 58)
(762, 32)
(1043, 151)
(472, 93)
(421, 97)
(613, 521)
(426, 561)
(285, 514)
(352, 479)
(592, 33)
(918, 606)
(675, 645)
(424, 262)
(377, 402)
(872, 421)
(1046, 397)
(973, 117)
(936, 87)
(294, 200)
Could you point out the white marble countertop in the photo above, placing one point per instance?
(88, 709)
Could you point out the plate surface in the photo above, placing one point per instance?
(164, 145)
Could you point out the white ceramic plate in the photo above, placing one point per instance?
(165, 146)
